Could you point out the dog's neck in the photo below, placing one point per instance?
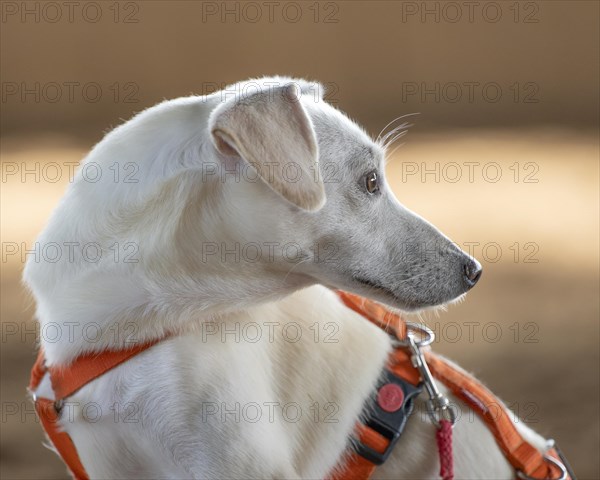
(151, 278)
(120, 312)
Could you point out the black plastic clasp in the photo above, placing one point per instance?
(388, 424)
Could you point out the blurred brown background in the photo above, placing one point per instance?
(503, 157)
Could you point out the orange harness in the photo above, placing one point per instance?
(371, 444)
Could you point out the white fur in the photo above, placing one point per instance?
(151, 417)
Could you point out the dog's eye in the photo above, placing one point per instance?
(372, 182)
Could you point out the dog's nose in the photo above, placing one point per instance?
(472, 271)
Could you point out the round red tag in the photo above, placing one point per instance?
(390, 397)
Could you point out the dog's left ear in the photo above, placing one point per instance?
(272, 131)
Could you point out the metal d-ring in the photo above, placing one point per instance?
(416, 333)
(427, 335)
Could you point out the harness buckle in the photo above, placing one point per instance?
(389, 424)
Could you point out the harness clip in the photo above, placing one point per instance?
(438, 405)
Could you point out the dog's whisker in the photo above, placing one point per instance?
(396, 137)
(400, 130)
(378, 138)
(394, 121)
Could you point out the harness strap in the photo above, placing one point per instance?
(357, 467)
(66, 380)
(523, 456)
(61, 440)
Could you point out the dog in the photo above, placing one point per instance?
(222, 223)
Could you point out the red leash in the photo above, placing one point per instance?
(443, 438)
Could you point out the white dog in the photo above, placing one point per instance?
(216, 220)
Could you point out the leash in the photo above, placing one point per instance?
(409, 371)
(443, 438)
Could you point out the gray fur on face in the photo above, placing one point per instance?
(370, 243)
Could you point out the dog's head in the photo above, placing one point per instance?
(202, 204)
(333, 207)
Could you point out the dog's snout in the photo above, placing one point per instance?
(472, 272)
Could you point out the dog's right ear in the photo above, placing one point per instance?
(272, 131)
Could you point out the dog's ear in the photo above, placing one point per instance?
(272, 131)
